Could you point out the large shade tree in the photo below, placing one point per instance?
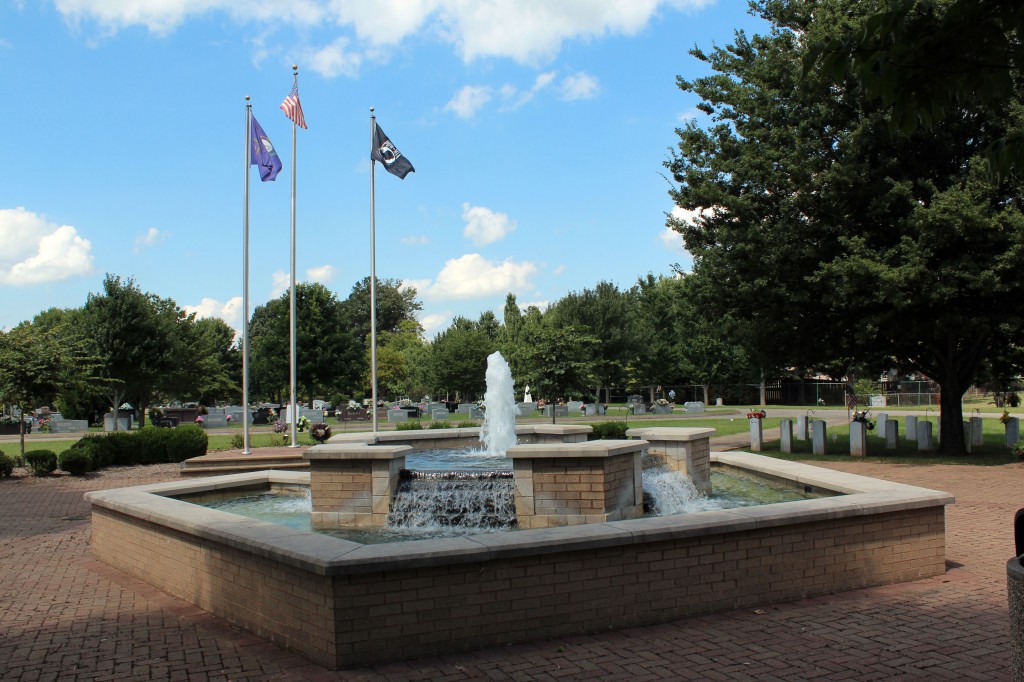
(827, 233)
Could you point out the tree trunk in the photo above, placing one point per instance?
(706, 388)
(21, 430)
(764, 391)
(951, 419)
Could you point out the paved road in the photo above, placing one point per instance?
(65, 616)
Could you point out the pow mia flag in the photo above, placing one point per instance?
(386, 153)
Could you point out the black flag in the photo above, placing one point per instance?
(385, 152)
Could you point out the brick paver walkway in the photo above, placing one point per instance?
(65, 616)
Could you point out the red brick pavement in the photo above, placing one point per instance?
(65, 616)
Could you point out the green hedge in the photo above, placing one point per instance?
(76, 461)
(42, 462)
(608, 431)
(148, 445)
(6, 466)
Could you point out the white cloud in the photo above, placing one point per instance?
(514, 98)
(33, 251)
(433, 323)
(468, 100)
(420, 285)
(415, 240)
(152, 237)
(335, 59)
(672, 241)
(324, 274)
(579, 85)
(558, 270)
(473, 276)
(230, 311)
(526, 31)
(539, 305)
(484, 226)
(280, 282)
(689, 115)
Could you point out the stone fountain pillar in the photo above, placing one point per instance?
(686, 450)
(353, 484)
(575, 483)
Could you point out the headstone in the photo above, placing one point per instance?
(397, 415)
(123, 424)
(801, 427)
(878, 401)
(465, 408)
(786, 435)
(440, 414)
(638, 408)
(911, 427)
(977, 432)
(695, 406)
(924, 435)
(756, 435)
(575, 406)
(68, 425)
(858, 439)
(892, 434)
(880, 423)
(526, 409)
(476, 413)
(590, 410)
(819, 437)
(1012, 432)
(718, 401)
(968, 437)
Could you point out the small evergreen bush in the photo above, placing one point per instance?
(608, 431)
(438, 424)
(408, 426)
(237, 441)
(76, 461)
(466, 425)
(6, 466)
(42, 462)
(186, 442)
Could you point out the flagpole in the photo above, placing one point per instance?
(373, 278)
(246, 416)
(294, 374)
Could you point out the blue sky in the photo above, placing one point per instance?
(537, 129)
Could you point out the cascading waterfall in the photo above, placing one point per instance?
(463, 499)
(499, 430)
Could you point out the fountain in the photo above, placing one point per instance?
(499, 430)
(587, 560)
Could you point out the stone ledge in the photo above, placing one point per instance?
(665, 433)
(355, 451)
(588, 449)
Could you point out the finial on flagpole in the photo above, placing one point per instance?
(295, 68)
(247, 98)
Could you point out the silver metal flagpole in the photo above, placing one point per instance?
(246, 416)
(294, 374)
(373, 277)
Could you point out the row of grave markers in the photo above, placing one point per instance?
(918, 430)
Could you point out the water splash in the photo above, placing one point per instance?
(499, 430)
(668, 492)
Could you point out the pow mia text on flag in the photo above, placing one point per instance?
(387, 153)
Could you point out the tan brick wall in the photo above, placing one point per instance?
(285, 605)
(356, 619)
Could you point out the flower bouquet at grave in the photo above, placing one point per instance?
(303, 423)
(320, 432)
(279, 426)
(44, 425)
(756, 414)
(1005, 416)
(862, 417)
(199, 420)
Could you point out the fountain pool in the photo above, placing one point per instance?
(344, 604)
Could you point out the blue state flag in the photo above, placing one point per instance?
(262, 153)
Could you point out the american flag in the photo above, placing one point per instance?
(292, 108)
(851, 401)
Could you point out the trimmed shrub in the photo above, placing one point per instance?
(186, 442)
(408, 426)
(42, 462)
(76, 461)
(608, 431)
(467, 425)
(6, 466)
(438, 424)
(237, 441)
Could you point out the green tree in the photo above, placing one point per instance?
(607, 314)
(131, 335)
(830, 236)
(458, 358)
(327, 357)
(557, 361)
(35, 364)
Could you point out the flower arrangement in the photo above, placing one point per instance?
(279, 426)
(228, 418)
(320, 432)
(662, 401)
(303, 423)
(862, 417)
(353, 405)
(756, 414)
(1005, 416)
(199, 420)
(44, 425)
